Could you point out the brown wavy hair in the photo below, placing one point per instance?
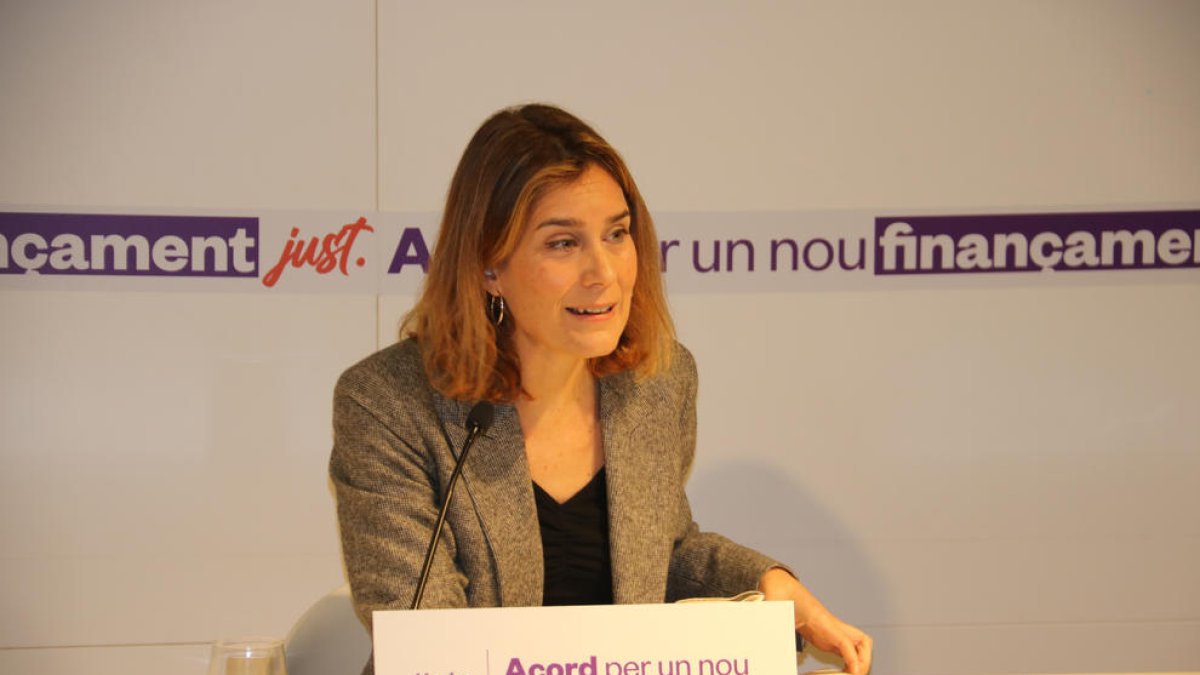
(515, 158)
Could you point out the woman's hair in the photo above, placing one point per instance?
(513, 160)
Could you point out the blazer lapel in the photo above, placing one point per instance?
(636, 506)
(496, 477)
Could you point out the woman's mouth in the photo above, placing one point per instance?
(591, 311)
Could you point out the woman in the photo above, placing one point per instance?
(544, 296)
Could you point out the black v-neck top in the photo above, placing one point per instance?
(578, 569)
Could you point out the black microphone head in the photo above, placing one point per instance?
(480, 417)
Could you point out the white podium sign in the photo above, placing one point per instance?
(708, 638)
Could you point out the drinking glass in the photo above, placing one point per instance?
(250, 656)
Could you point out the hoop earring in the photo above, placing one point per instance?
(495, 309)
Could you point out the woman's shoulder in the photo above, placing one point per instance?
(675, 378)
(681, 368)
(682, 359)
(396, 369)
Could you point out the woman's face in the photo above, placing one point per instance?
(569, 283)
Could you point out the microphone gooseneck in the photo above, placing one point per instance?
(478, 422)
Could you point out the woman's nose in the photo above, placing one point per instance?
(599, 268)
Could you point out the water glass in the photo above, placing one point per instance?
(252, 656)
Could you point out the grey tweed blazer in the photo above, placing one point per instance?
(395, 440)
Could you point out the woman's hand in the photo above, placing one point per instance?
(817, 624)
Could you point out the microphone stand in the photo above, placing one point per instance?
(478, 421)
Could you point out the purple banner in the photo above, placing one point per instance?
(121, 245)
(1064, 242)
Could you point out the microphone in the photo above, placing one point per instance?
(478, 421)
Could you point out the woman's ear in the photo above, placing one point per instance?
(490, 283)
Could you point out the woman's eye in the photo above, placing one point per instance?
(560, 244)
(619, 234)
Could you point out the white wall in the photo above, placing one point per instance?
(163, 454)
(990, 480)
